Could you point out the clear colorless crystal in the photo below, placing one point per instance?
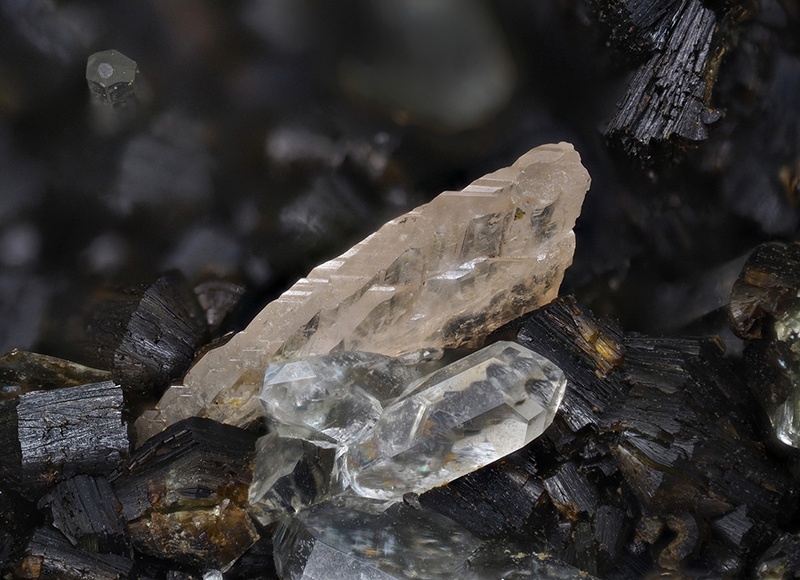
(441, 276)
(291, 474)
(444, 425)
(456, 420)
(334, 398)
(327, 542)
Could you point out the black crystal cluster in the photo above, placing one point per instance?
(220, 150)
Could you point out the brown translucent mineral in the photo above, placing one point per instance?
(443, 275)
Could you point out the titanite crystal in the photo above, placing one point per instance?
(443, 275)
(456, 420)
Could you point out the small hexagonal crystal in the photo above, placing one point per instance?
(111, 76)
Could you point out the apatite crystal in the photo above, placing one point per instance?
(456, 420)
(335, 398)
(328, 542)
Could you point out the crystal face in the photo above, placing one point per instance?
(430, 430)
(786, 416)
(333, 398)
(441, 276)
(457, 420)
(111, 76)
(291, 474)
(330, 543)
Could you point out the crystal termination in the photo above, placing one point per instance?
(443, 275)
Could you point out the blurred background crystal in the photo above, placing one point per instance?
(111, 76)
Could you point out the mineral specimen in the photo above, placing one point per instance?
(663, 425)
(330, 543)
(147, 336)
(667, 96)
(509, 561)
(435, 429)
(182, 493)
(781, 560)
(50, 555)
(86, 511)
(765, 307)
(111, 76)
(291, 474)
(22, 371)
(52, 435)
(586, 349)
(456, 420)
(766, 288)
(687, 448)
(334, 398)
(443, 275)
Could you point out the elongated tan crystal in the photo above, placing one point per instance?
(443, 275)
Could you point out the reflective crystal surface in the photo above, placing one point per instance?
(331, 543)
(786, 416)
(291, 474)
(334, 398)
(429, 431)
(456, 420)
(441, 276)
(507, 560)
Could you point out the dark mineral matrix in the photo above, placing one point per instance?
(310, 290)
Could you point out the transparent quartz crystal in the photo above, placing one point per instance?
(291, 474)
(334, 398)
(364, 428)
(456, 420)
(333, 543)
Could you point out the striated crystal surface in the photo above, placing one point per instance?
(510, 561)
(327, 542)
(443, 275)
(22, 371)
(456, 420)
(333, 398)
